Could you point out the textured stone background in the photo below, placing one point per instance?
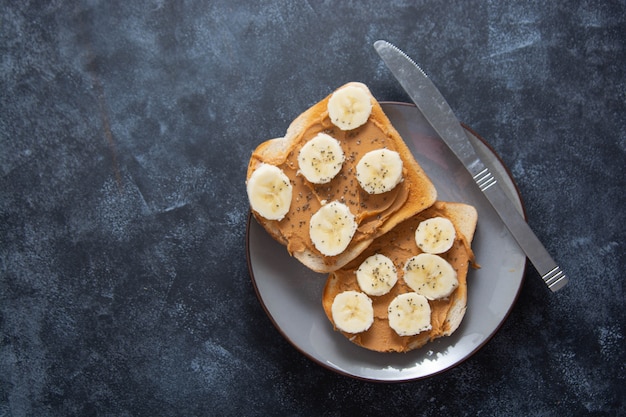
(125, 130)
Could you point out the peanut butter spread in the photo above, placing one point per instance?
(399, 245)
(371, 210)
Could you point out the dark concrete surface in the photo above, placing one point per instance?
(125, 131)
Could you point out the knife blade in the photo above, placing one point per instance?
(438, 113)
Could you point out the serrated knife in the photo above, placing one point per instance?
(438, 113)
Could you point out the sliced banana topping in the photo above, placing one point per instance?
(376, 275)
(352, 311)
(430, 275)
(320, 159)
(379, 171)
(332, 227)
(435, 235)
(349, 107)
(269, 192)
(409, 314)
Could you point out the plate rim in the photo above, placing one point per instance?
(477, 348)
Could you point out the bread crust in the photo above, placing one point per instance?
(421, 191)
(447, 314)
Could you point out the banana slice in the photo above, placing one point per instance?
(349, 107)
(379, 171)
(320, 159)
(435, 235)
(409, 314)
(430, 275)
(269, 192)
(352, 311)
(331, 228)
(377, 275)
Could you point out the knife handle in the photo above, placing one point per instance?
(550, 272)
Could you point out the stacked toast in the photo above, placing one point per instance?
(345, 196)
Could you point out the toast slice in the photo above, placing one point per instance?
(375, 214)
(398, 245)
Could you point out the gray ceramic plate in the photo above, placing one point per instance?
(291, 294)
